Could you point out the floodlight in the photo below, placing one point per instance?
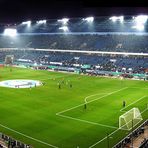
(10, 32)
(64, 20)
(113, 18)
(121, 18)
(139, 27)
(41, 22)
(141, 19)
(89, 19)
(64, 28)
(28, 23)
(117, 18)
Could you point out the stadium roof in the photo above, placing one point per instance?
(21, 10)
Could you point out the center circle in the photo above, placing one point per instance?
(20, 83)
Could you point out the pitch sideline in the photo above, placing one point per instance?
(121, 110)
(69, 117)
(59, 114)
(113, 132)
(29, 137)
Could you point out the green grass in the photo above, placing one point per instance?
(33, 112)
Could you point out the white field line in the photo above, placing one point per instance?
(115, 132)
(144, 110)
(90, 101)
(98, 94)
(69, 117)
(132, 103)
(104, 138)
(131, 127)
(29, 137)
(137, 128)
(89, 122)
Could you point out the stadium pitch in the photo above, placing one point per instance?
(68, 110)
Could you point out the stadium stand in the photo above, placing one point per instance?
(8, 142)
(96, 62)
(144, 143)
(107, 42)
(128, 141)
(24, 49)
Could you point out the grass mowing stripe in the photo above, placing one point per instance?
(54, 78)
(91, 101)
(59, 113)
(144, 110)
(90, 122)
(40, 105)
(50, 145)
(132, 103)
(139, 87)
(103, 138)
(114, 132)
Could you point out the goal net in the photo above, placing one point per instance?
(9, 59)
(130, 119)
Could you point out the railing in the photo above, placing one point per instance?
(144, 144)
(80, 51)
(128, 138)
(11, 142)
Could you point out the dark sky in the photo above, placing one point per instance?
(12, 11)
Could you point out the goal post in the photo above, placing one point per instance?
(130, 119)
(9, 59)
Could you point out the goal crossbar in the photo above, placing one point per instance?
(130, 119)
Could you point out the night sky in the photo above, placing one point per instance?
(12, 11)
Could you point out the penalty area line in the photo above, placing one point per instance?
(132, 103)
(98, 94)
(91, 100)
(94, 123)
(115, 131)
(29, 137)
(86, 121)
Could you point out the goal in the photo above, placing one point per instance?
(9, 59)
(130, 119)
